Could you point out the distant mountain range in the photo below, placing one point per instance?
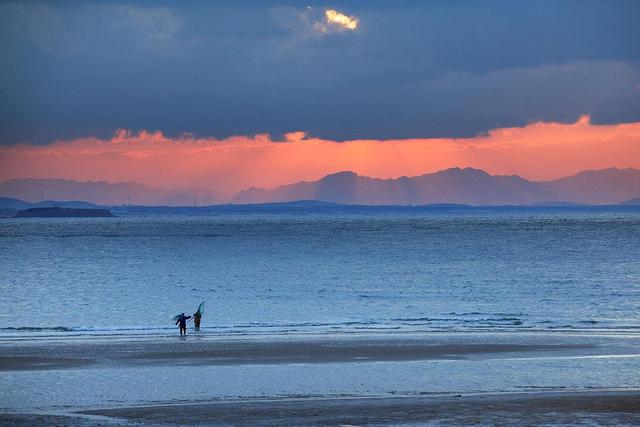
(462, 186)
(452, 186)
(10, 206)
(632, 202)
(104, 193)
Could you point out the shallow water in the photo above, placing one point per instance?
(160, 384)
(459, 269)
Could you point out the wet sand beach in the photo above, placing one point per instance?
(530, 409)
(371, 379)
(196, 350)
(575, 408)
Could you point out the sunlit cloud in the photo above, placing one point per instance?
(340, 21)
(538, 151)
(313, 22)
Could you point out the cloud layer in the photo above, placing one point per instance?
(409, 69)
(538, 151)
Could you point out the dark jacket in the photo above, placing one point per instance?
(183, 320)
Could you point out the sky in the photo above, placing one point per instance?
(226, 94)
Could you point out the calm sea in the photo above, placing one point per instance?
(441, 269)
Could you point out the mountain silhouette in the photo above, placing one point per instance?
(451, 186)
(104, 193)
(603, 186)
(455, 185)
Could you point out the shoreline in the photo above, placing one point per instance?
(60, 333)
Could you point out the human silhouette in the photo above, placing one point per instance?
(182, 320)
(197, 316)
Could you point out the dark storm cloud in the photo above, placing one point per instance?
(410, 69)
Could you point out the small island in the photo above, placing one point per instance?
(56, 212)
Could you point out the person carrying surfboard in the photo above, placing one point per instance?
(197, 316)
(182, 320)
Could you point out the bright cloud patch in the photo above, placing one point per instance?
(335, 21)
(340, 20)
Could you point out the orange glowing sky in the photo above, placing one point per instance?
(538, 151)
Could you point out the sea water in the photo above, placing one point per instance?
(484, 275)
(445, 269)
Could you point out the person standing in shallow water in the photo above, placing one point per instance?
(182, 320)
(197, 316)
